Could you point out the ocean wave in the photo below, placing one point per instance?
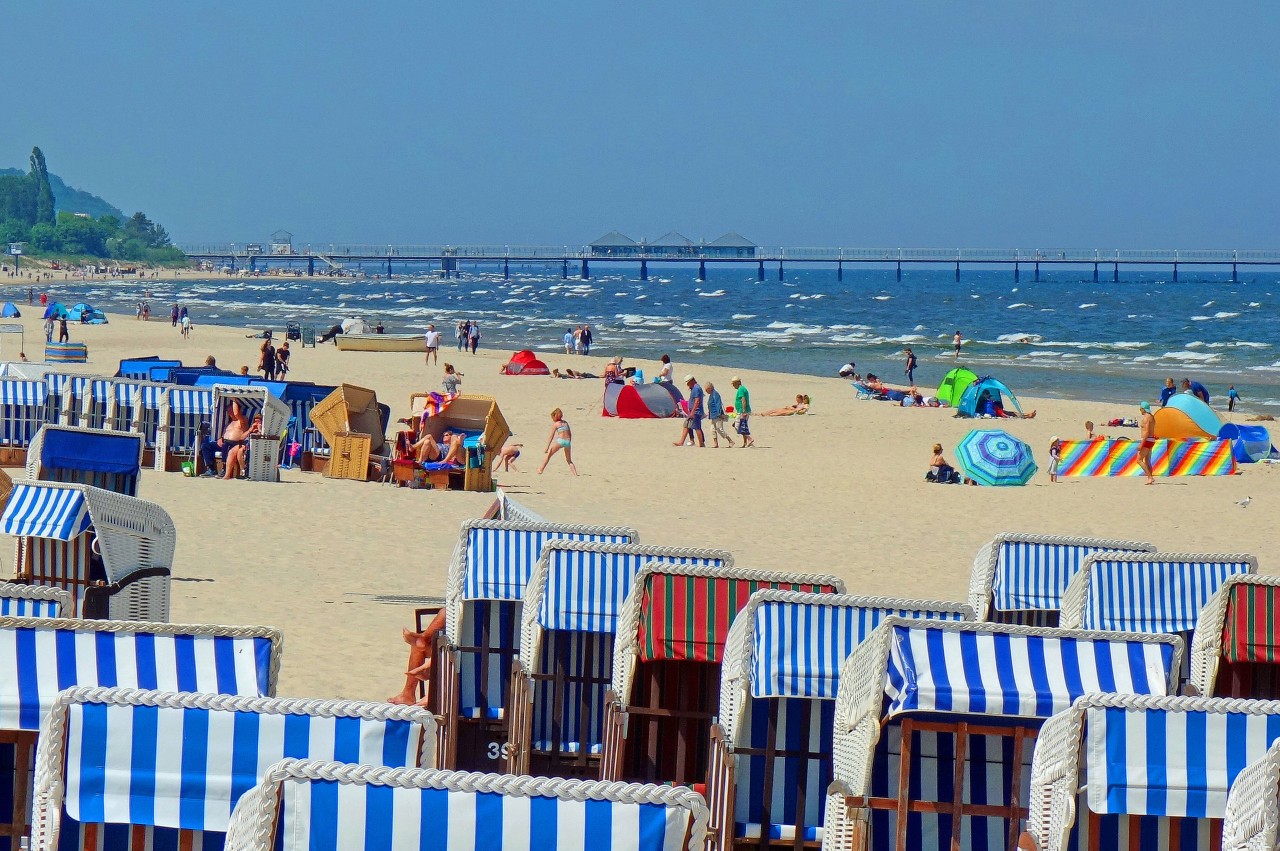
(1018, 304)
(1088, 305)
(882, 297)
(1195, 357)
(714, 294)
(744, 316)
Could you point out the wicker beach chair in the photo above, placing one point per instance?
(183, 411)
(771, 745)
(113, 552)
(484, 428)
(140, 770)
(1125, 771)
(39, 657)
(484, 592)
(108, 460)
(75, 389)
(1019, 577)
(122, 411)
(301, 806)
(33, 601)
(935, 722)
(144, 408)
(665, 680)
(509, 509)
(1235, 649)
(1148, 592)
(1252, 819)
(564, 663)
(264, 452)
(23, 411)
(95, 404)
(55, 384)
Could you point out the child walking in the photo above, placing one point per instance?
(561, 438)
(1055, 452)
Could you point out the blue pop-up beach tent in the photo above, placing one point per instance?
(984, 395)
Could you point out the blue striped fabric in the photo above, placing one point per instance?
(187, 409)
(148, 417)
(802, 725)
(487, 699)
(1000, 673)
(186, 767)
(249, 404)
(191, 401)
(322, 815)
(578, 723)
(40, 511)
(1033, 576)
(798, 648)
(1152, 597)
(499, 561)
(1171, 762)
(23, 410)
(37, 661)
(26, 607)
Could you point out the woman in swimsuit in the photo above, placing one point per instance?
(801, 406)
(561, 438)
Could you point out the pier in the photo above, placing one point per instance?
(576, 261)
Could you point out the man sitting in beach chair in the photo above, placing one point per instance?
(235, 435)
(447, 450)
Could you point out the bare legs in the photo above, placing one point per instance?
(552, 450)
(419, 662)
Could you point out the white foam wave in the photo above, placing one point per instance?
(714, 294)
(744, 316)
(1018, 304)
(1088, 305)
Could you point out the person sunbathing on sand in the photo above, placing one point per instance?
(419, 663)
(570, 373)
(430, 451)
(801, 406)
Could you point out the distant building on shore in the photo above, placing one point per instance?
(615, 244)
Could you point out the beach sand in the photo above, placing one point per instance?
(338, 565)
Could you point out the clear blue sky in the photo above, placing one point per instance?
(992, 124)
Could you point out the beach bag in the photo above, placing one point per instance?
(741, 426)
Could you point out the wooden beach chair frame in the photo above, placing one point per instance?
(341, 726)
(1213, 673)
(36, 470)
(475, 601)
(259, 814)
(744, 663)
(23, 412)
(867, 728)
(183, 410)
(1059, 770)
(472, 413)
(1026, 554)
(19, 725)
(561, 661)
(653, 705)
(1252, 822)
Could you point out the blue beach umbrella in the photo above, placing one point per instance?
(995, 457)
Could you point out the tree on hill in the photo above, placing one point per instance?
(44, 192)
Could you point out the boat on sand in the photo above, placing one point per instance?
(381, 342)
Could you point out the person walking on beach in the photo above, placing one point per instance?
(561, 438)
(267, 360)
(461, 331)
(1147, 426)
(742, 407)
(473, 337)
(568, 342)
(432, 340)
(63, 335)
(1232, 398)
(911, 366)
(586, 339)
(715, 410)
(282, 360)
(48, 330)
(692, 427)
(186, 327)
(957, 342)
(173, 315)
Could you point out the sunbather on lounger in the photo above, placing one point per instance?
(448, 450)
(419, 662)
(800, 407)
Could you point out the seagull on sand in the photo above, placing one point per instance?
(1244, 503)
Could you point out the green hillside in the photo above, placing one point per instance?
(74, 200)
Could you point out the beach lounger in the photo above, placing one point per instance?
(39, 657)
(133, 770)
(1122, 771)
(301, 806)
(935, 723)
(563, 667)
(108, 460)
(55, 384)
(23, 411)
(1235, 649)
(123, 413)
(182, 412)
(1252, 819)
(1020, 578)
(112, 552)
(33, 601)
(771, 745)
(484, 593)
(665, 679)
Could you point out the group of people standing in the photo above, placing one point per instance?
(273, 363)
(705, 402)
(468, 333)
(178, 317)
(577, 341)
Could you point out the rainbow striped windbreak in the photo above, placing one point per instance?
(1119, 457)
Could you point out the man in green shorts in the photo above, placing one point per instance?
(742, 407)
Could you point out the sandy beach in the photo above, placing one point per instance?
(339, 565)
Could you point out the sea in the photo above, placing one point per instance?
(1062, 337)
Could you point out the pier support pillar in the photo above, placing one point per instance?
(1037, 271)
(388, 267)
(782, 276)
(1233, 274)
(1016, 273)
(702, 270)
(957, 271)
(644, 270)
(586, 270)
(506, 269)
(1175, 273)
(311, 267)
(564, 270)
(253, 264)
(1095, 273)
(1115, 274)
(760, 272)
(899, 273)
(839, 270)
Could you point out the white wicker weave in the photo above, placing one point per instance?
(1206, 641)
(1056, 764)
(51, 756)
(509, 509)
(1252, 822)
(77, 388)
(1076, 598)
(253, 825)
(626, 650)
(982, 579)
(275, 414)
(60, 596)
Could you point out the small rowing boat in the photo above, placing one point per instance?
(381, 342)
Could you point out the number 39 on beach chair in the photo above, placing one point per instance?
(309, 806)
(565, 661)
(38, 657)
(132, 770)
(935, 722)
(771, 747)
(665, 682)
(484, 593)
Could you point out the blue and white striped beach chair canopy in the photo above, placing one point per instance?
(23, 410)
(33, 601)
(1144, 756)
(579, 586)
(132, 534)
(1148, 592)
(1252, 822)
(181, 761)
(1017, 571)
(302, 806)
(253, 400)
(494, 559)
(189, 401)
(39, 657)
(985, 670)
(74, 390)
(792, 644)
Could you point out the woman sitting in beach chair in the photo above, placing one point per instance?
(447, 450)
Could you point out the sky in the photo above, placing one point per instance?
(995, 124)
